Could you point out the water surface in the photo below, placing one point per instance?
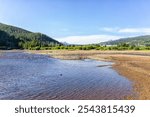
(32, 76)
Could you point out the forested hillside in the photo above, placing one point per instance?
(12, 37)
(138, 41)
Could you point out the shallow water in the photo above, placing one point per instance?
(31, 76)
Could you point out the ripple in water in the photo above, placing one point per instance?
(31, 76)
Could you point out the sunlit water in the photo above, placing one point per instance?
(31, 76)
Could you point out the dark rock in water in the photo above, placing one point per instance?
(60, 74)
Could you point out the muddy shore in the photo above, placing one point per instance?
(135, 65)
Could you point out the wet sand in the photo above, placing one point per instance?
(135, 65)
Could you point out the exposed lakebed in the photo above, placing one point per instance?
(35, 76)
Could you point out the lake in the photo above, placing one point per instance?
(34, 76)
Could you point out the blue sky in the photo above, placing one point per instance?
(79, 21)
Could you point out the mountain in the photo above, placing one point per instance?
(140, 40)
(17, 38)
(65, 43)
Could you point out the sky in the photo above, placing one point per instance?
(79, 21)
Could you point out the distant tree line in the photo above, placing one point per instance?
(122, 46)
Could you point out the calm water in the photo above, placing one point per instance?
(31, 76)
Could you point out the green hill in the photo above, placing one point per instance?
(140, 40)
(12, 37)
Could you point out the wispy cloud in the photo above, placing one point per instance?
(89, 39)
(126, 30)
(135, 30)
(109, 29)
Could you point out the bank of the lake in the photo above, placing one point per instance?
(134, 65)
(36, 76)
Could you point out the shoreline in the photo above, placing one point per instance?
(134, 65)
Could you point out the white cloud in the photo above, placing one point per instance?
(135, 30)
(89, 39)
(126, 30)
(109, 29)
